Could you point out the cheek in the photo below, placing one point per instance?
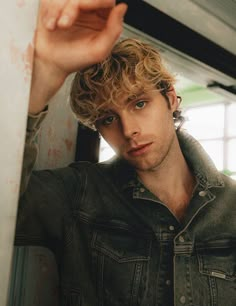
(152, 124)
(161, 126)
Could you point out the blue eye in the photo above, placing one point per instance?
(140, 104)
(108, 120)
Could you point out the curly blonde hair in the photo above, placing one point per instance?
(132, 66)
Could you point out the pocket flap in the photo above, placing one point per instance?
(121, 246)
(219, 260)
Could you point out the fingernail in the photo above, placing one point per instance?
(64, 20)
(51, 23)
(125, 9)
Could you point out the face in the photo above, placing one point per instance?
(141, 130)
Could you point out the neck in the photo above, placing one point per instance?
(172, 182)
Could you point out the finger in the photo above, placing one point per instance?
(51, 12)
(105, 41)
(96, 4)
(70, 14)
(72, 8)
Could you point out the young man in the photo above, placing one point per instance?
(154, 226)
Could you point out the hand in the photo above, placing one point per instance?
(71, 35)
(77, 33)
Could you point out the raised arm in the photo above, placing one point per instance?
(71, 35)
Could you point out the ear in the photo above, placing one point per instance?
(173, 101)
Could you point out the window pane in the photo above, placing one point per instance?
(233, 177)
(205, 122)
(106, 151)
(231, 158)
(214, 148)
(231, 123)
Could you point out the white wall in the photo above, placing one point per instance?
(57, 141)
(18, 19)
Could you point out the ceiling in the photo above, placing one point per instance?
(214, 19)
(196, 37)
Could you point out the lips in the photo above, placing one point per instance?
(140, 149)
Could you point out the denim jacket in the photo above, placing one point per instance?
(116, 244)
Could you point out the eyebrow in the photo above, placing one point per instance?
(135, 97)
(105, 113)
(131, 98)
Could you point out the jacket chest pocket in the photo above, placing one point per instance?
(218, 263)
(120, 261)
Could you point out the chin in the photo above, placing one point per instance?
(144, 165)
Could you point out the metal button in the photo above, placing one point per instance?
(168, 282)
(182, 299)
(181, 239)
(141, 189)
(202, 193)
(171, 228)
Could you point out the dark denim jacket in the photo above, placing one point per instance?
(116, 244)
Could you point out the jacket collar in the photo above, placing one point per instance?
(199, 161)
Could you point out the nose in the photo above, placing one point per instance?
(130, 127)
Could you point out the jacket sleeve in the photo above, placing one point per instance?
(46, 196)
(42, 196)
(31, 150)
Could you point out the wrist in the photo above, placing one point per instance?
(46, 81)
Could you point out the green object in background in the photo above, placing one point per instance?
(194, 94)
(197, 95)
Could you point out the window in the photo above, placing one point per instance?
(214, 127)
(106, 151)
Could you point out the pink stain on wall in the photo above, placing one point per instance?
(54, 153)
(27, 58)
(14, 185)
(20, 3)
(22, 60)
(69, 124)
(54, 158)
(51, 134)
(15, 54)
(68, 144)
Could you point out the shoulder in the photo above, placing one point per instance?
(105, 167)
(229, 183)
(113, 171)
(227, 192)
